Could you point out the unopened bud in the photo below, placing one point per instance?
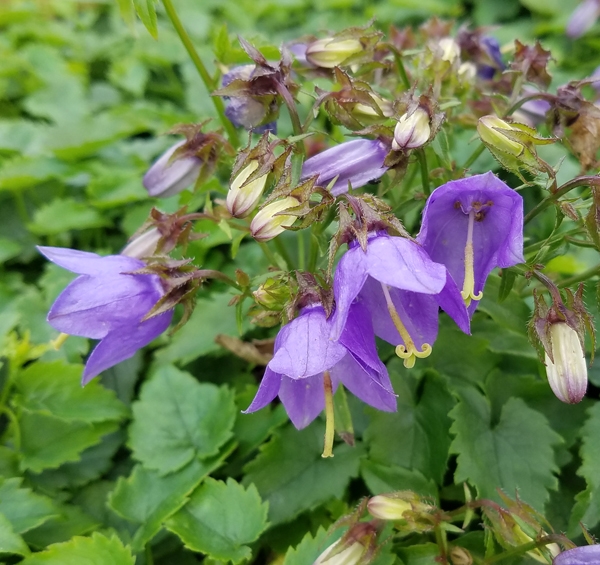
(412, 130)
(243, 196)
(272, 294)
(351, 555)
(331, 52)
(362, 110)
(166, 178)
(143, 245)
(488, 129)
(270, 221)
(388, 507)
(567, 375)
(538, 554)
(460, 556)
(467, 72)
(449, 49)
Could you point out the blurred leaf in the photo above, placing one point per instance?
(25, 172)
(10, 542)
(307, 551)
(147, 12)
(384, 478)
(590, 468)
(148, 499)
(514, 454)
(292, 476)
(47, 442)
(64, 214)
(8, 249)
(23, 508)
(55, 389)
(177, 419)
(221, 519)
(95, 550)
(421, 439)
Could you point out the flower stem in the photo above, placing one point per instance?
(474, 156)
(329, 417)
(202, 71)
(401, 70)
(581, 277)
(424, 171)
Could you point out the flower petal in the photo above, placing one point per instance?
(84, 263)
(267, 391)
(303, 399)
(358, 337)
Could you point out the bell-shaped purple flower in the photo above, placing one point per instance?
(106, 302)
(584, 555)
(471, 226)
(356, 162)
(583, 18)
(491, 48)
(305, 354)
(402, 288)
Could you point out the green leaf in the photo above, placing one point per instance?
(25, 172)
(147, 12)
(381, 479)
(590, 468)
(10, 542)
(95, 550)
(65, 214)
(148, 499)
(126, 10)
(292, 476)
(177, 419)
(212, 316)
(23, 508)
(421, 425)
(514, 454)
(221, 519)
(55, 389)
(307, 551)
(47, 442)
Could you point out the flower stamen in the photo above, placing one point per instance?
(58, 342)
(468, 290)
(407, 351)
(329, 420)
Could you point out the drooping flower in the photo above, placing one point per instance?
(167, 176)
(356, 162)
(402, 288)
(583, 18)
(584, 555)
(471, 226)
(108, 303)
(306, 358)
(143, 245)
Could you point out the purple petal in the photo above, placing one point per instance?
(303, 399)
(584, 555)
(374, 389)
(583, 18)
(350, 275)
(451, 302)
(305, 346)
(84, 263)
(122, 343)
(267, 391)
(358, 337)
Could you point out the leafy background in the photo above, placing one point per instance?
(153, 462)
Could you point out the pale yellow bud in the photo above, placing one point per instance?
(496, 139)
(267, 225)
(243, 196)
(388, 507)
(412, 131)
(449, 49)
(349, 556)
(143, 245)
(331, 52)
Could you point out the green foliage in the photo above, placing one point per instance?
(220, 519)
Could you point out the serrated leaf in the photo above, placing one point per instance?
(221, 519)
(307, 551)
(11, 542)
(95, 550)
(65, 214)
(23, 508)
(146, 10)
(148, 499)
(590, 467)
(381, 479)
(292, 476)
(47, 442)
(54, 388)
(516, 454)
(421, 437)
(178, 418)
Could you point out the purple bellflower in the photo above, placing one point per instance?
(583, 18)
(356, 162)
(473, 225)
(306, 357)
(584, 555)
(491, 47)
(106, 302)
(402, 288)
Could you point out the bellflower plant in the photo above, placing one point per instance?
(356, 162)
(402, 288)
(106, 302)
(473, 225)
(308, 366)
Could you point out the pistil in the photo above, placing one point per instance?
(58, 342)
(407, 351)
(468, 290)
(329, 420)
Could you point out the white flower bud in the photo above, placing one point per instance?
(567, 375)
(349, 556)
(467, 72)
(486, 128)
(243, 197)
(266, 224)
(412, 131)
(143, 245)
(449, 49)
(331, 52)
(388, 507)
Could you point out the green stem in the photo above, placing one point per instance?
(474, 156)
(401, 70)
(549, 241)
(202, 71)
(212, 274)
(282, 250)
(21, 206)
(561, 191)
(291, 106)
(581, 277)
(269, 254)
(424, 171)
(148, 555)
(301, 250)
